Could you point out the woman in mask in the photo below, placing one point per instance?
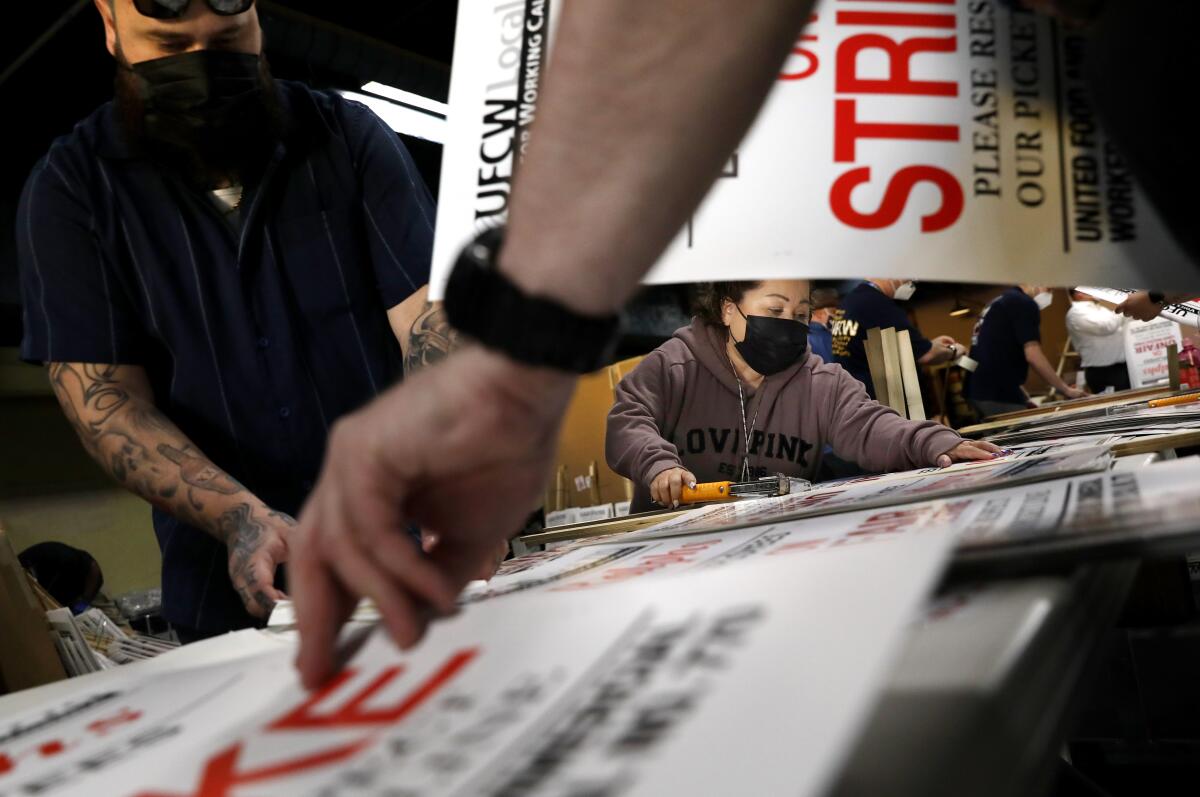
(735, 396)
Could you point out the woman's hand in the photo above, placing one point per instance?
(667, 487)
(970, 451)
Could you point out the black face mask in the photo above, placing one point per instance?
(211, 112)
(772, 344)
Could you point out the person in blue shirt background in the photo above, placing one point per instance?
(820, 336)
(215, 267)
(1008, 340)
(874, 304)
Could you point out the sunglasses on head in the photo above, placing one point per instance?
(173, 9)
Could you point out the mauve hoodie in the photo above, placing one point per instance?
(679, 408)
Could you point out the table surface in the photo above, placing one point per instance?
(977, 702)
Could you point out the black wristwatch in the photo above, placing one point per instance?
(1157, 297)
(484, 304)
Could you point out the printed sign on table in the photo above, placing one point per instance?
(751, 679)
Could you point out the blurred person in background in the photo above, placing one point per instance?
(1098, 336)
(736, 396)
(820, 336)
(1006, 343)
(874, 304)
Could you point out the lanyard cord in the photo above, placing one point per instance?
(746, 430)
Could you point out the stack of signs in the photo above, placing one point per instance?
(1024, 527)
(886, 490)
(755, 678)
(913, 140)
(1118, 420)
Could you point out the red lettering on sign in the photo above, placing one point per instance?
(221, 776)
(812, 62)
(103, 725)
(352, 714)
(895, 196)
(899, 80)
(847, 130)
(902, 20)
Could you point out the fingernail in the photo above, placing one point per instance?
(674, 504)
(691, 485)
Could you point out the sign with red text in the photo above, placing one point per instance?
(1146, 344)
(938, 140)
(754, 678)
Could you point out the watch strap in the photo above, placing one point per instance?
(483, 303)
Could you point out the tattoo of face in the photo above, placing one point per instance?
(431, 338)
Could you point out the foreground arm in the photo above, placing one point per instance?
(1042, 367)
(614, 169)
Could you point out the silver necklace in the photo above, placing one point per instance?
(746, 430)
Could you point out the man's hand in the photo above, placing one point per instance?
(1073, 392)
(429, 541)
(462, 450)
(1139, 306)
(946, 341)
(257, 546)
(666, 488)
(970, 451)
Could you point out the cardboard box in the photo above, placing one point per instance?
(27, 654)
(581, 476)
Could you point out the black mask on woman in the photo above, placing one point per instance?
(772, 344)
(212, 113)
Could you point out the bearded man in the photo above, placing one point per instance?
(215, 267)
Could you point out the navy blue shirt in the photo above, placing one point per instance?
(255, 339)
(866, 307)
(998, 345)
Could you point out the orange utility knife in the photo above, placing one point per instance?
(765, 487)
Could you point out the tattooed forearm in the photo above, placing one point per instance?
(112, 410)
(137, 445)
(430, 339)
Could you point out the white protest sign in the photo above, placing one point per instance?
(751, 678)
(938, 140)
(1146, 345)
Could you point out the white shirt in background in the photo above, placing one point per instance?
(1097, 333)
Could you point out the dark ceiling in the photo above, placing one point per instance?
(326, 44)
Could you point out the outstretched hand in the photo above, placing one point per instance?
(462, 450)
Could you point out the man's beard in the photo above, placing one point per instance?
(205, 158)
